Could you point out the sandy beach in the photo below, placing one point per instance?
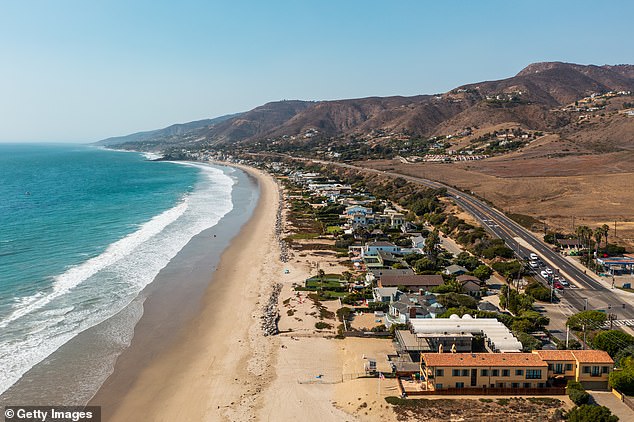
(213, 368)
(221, 366)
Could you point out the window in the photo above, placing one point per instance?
(515, 385)
(605, 369)
(460, 385)
(559, 368)
(438, 386)
(495, 372)
(550, 366)
(455, 372)
(465, 372)
(585, 369)
(484, 373)
(506, 372)
(533, 374)
(569, 367)
(540, 385)
(595, 371)
(440, 372)
(527, 385)
(519, 372)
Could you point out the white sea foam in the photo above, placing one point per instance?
(96, 290)
(152, 155)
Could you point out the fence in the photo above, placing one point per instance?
(493, 391)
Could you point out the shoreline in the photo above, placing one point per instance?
(209, 364)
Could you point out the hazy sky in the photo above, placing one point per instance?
(85, 70)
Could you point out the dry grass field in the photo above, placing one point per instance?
(545, 183)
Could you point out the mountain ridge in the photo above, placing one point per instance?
(527, 98)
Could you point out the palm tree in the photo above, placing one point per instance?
(598, 235)
(606, 232)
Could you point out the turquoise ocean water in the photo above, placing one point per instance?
(82, 232)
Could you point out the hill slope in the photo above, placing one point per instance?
(527, 98)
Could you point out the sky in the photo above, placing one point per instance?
(81, 71)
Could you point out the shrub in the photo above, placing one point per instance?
(623, 380)
(579, 397)
(320, 325)
(590, 413)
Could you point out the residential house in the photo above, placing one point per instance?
(440, 371)
(373, 248)
(413, 282)
(455, 270)
(589, 367)
(375, 274)
(418, 242)
(470, 285)
(409, 227)
(487, 306)
(415, 305)
(385, 294)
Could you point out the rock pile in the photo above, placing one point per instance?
(279, 226)
(271, 315)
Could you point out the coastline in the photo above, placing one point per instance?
(216, 363)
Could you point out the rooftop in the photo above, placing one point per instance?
(582, 356)
(483, 359)
(412, 280)
(498, 335)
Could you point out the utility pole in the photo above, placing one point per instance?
(585, 306)
(567, 335)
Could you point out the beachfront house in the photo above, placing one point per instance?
(373, 248)
(413, 282)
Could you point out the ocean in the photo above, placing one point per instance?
(83, 231)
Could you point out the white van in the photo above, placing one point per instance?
(533, 257)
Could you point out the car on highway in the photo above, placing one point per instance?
(544, 274)
(558, 285)
(549, 271)
(533, 264)
(533, 257)
(563, 281)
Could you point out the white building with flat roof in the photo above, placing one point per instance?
(498, 337)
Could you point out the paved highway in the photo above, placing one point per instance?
(501, 226)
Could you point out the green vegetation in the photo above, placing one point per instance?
(623, 378)
(538, 291)
(507, 269)
(591, 413)
(483, 272)
(612, 341)
(515, 302)
(455, 300)
(321, 325)
(586, 319)
(577, 393)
